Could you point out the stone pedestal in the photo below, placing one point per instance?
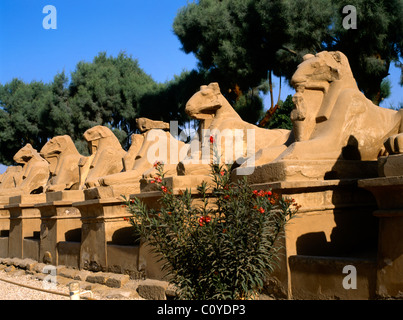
(60, 222)
(308, 170)
(321, 278)
(101, 221)
(25, 222)
(388, 192)
(335, 220)
(4, 231)
(4, 217)
(4, 221)
(177, 183)
(112, 192)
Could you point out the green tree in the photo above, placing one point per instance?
(281, 118)
(107, 91)
(220, 36)
(57, 116)
(167, 101)
(245, 42)
(373, 45)
(21, 107)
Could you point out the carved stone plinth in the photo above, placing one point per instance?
(4, 221)
(176, 183)
(4, 231)
(60, 222)
(390, 166)
(308, 170)
(101, 219)
(388, 192)
(335, 220)
(25, 222)
(112, 192)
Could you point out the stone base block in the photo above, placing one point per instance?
(177, 183)
(114, 192)
(28, 199)
(68, 195)
(322, 278)
(303, 170)
(390, 166)
(69, 253)
(31, 249)
(3, 247)
(4, 200)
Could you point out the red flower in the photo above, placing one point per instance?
(126, 219)
(259, 193)
(157, 179)
(205, 219)
(226, 197)
(156, 164)
(152, 181)
(211, 139)
(222, 173)
(164, 189)
(261, 210)
(269, 193)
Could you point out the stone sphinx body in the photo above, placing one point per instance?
(63, 159)
(11, 178)
(152, 145)
(333, 119)
(33, 175)
(218, 116)
(105, 159)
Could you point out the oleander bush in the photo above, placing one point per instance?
(218, 245)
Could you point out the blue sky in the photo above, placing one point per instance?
(142, 29)
(84, 28)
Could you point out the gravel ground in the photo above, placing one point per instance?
(10, 291)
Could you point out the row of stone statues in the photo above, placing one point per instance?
(332, 120)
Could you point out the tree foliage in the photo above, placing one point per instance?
(106, 91)
(21, 107)
(374, 45)
(242, 41)
(168, 100)
(281, 118)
